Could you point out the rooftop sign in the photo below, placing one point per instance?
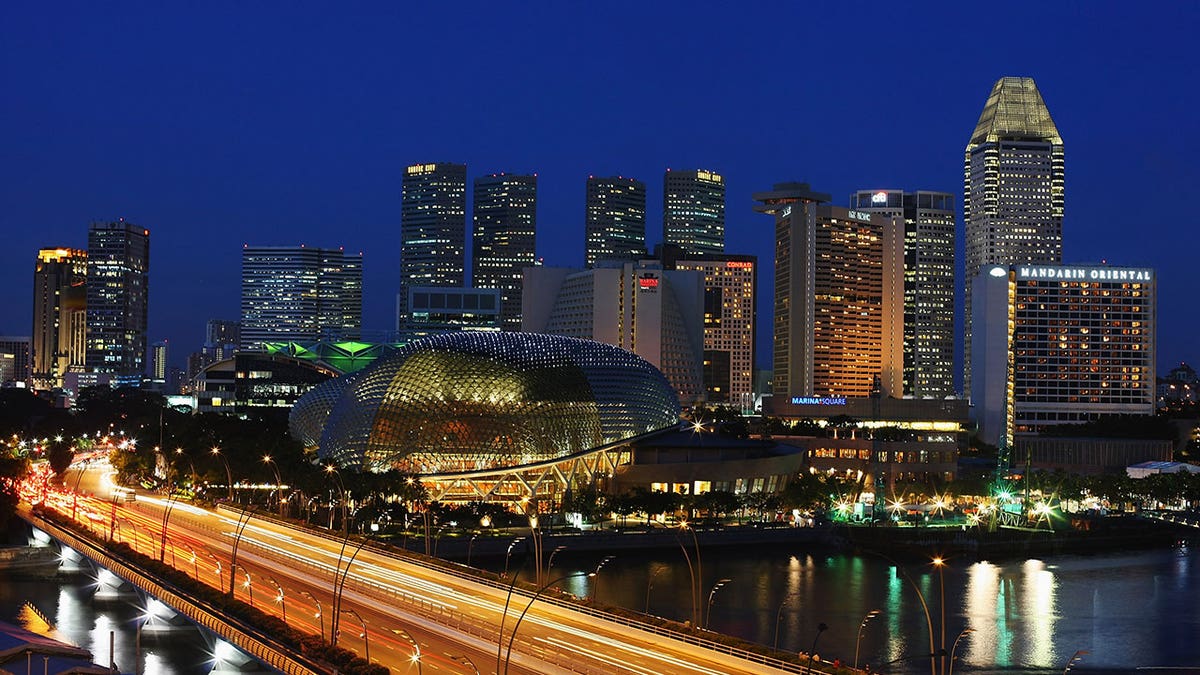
(1085, 273)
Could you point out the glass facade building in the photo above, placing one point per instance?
(469, 401)
(694, 211)
(300, 293)
(433, 230)
(616, 219)
(1013, 188)
(118, 297)
(929, 284)
(505, 219)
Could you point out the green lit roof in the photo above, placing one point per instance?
(1015, 109)
(345, 357)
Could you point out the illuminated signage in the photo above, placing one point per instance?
(708, 175)
(1084, 273)
(734, 264)
(787, 211)
(648, 281)
(998, 272)
(860, 215)
(818, 400)
(421, 168)
(879, 198)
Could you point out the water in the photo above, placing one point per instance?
(76, 617)
(1127, 610)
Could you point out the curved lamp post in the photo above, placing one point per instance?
(697, 576)
(779, 618)
(320, 615)
(278, 483)
(247, 584)
(216, 452)
(513, 636)
(339, 587)
(1074, 659)
(955, 648)
(716, 587)
(279, 597)
(366, 640)
(595, 576)
(416, 656)
(861, 628)
(821, 628)
(466, 661)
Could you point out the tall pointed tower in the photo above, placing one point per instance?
(1012, 188)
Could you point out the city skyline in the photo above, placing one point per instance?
(266, 144)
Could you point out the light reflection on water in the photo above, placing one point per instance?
(1127, 609)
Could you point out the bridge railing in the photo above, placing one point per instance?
(459, 619)
(261, 647)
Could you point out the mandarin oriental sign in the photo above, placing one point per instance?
(1085, 273)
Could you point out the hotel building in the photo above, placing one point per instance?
(59, 337)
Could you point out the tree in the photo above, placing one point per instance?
(60, 455)
(12, 470)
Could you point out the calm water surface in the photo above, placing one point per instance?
(1128, 610)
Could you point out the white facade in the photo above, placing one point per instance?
(638, 306)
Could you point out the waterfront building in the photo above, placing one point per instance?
(1013, 189)
(250, 381)
(730, 325)
(505, 218)
(640, 306)
(440, 309)
(299, 293)
(14, 360)
(929, 284)
(1061, 344)
(433, 230)
(694, 211)
(59, 337)
(616, 219)
(839, 302)
(118, 299)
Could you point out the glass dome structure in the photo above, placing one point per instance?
(472, 401)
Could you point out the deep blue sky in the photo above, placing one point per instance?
(216, 124)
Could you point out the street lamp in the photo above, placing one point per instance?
(596, 578)
(416, 656)
(955, 647)
(550, 562)
(466, 661)
(513, 636)
(366, 641)
(278, 483)
(508, 554)
(862, 627)
(697, 574)
(779, 619)
(216, 452)
(821, 628)
(319, 616)
(940, 565)
(245, 584)
(279, 597)
(716, 587)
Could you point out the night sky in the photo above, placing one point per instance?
(275, 123)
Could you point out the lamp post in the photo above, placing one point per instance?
(504, 615)
(75, 490)
(697, 573)
(940, 565)
(216, 452)
(513, 636)
(821, 628)
(1074, 659)
(192, 466)
(711, 594)
(195, 565)
(320, 615)
(862, 627)
(279, 597)
(366, 640)
(470, 546)
(466, 661)
(556, 551)
(779, 619)
(416, 656)
(278, 483)
(339, 587)
(508, 554)
(955, 648)
(242, 522)
(595, 576)
(245, 584)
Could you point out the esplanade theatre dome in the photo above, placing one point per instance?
(472, 401)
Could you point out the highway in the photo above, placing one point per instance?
(452, 618)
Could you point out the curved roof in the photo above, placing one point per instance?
(467, 401)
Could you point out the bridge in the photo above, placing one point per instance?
(397, 611)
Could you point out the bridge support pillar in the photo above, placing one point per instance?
(228, 660)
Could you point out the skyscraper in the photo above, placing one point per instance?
(694, 211)
(505, 216)
(616, 219)
(59, 315)
(929, 269)
(159, 365)
(839, 288)
(300, 293)
(118, 294)
(1013, 183)
(433, 230)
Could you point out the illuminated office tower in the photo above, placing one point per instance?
(1061, 344)
(158, 361)
(14, 359)
(929, 284)
(694, 211)
(299, 294)
(616, 219)
(505, 217)
(433, 230)
(1013, 183)
(839, 279)
(59, 338)
(118, 293)
(729, 326)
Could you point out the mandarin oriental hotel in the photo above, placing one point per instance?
(1061, 344)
